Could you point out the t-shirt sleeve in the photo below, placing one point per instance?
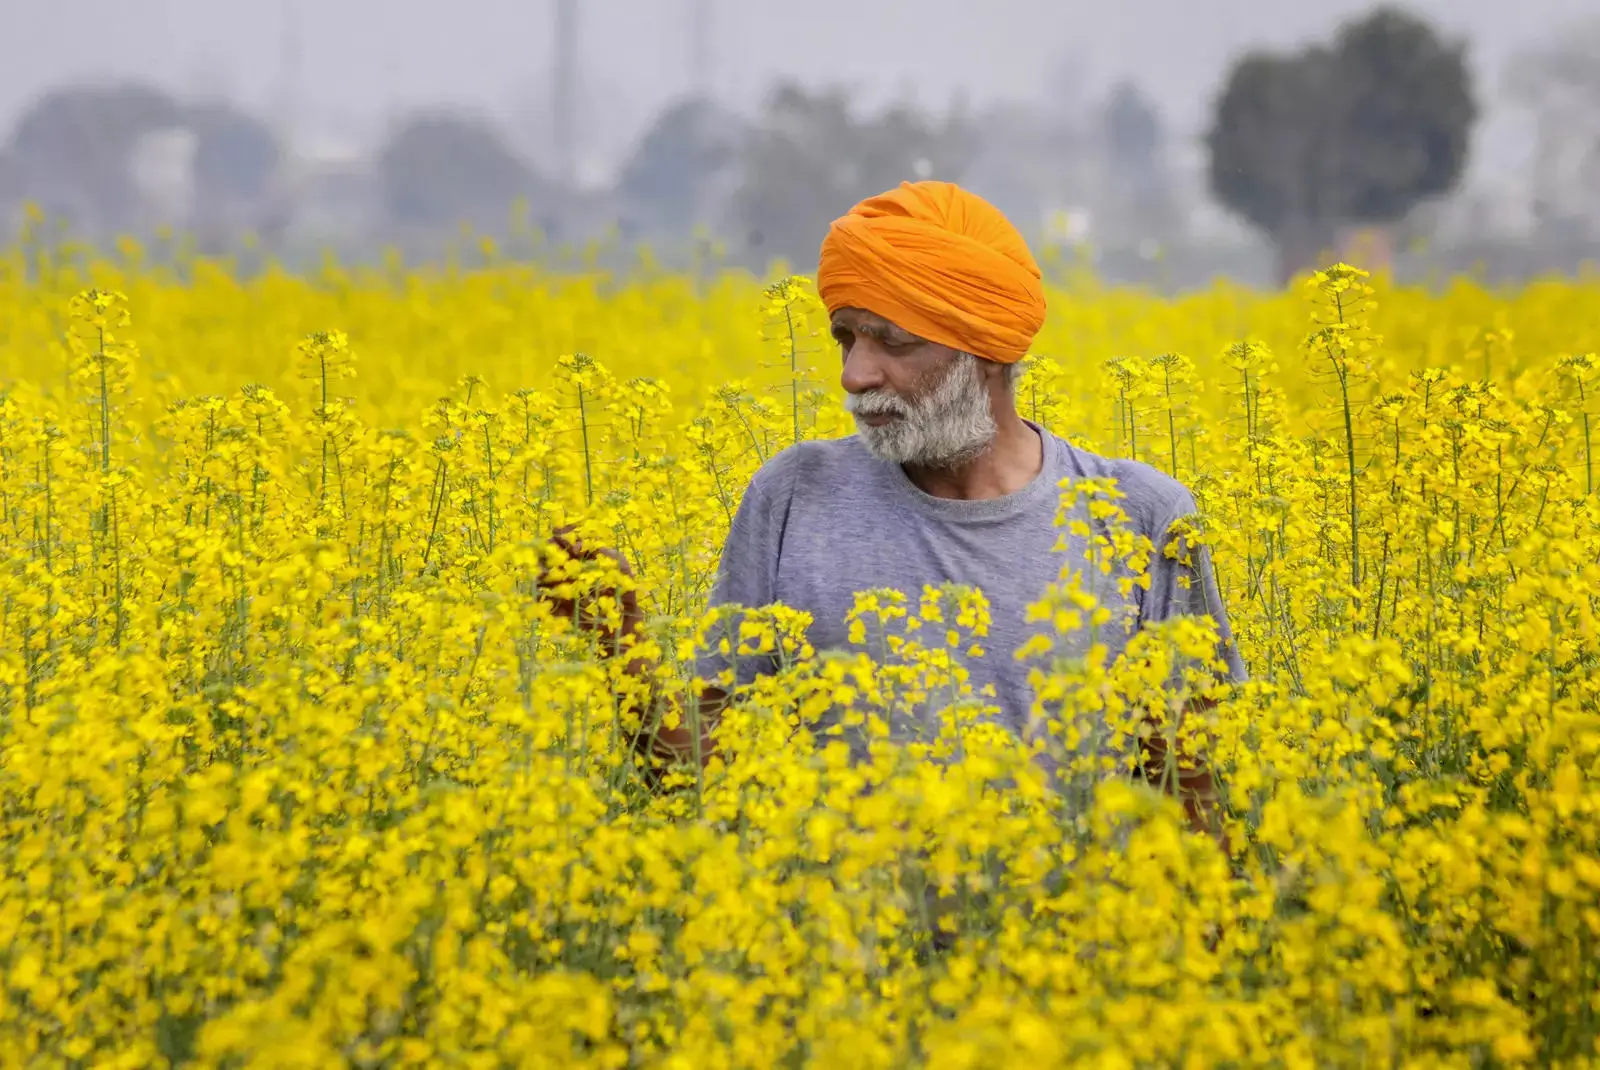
(1183, 582)
(747, 573)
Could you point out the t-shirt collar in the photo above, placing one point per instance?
(1042, 485)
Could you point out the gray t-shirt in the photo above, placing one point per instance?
(825, 519)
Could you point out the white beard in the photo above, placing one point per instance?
(944, 427)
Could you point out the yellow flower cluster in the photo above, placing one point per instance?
(300, 766)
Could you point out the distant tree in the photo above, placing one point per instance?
(1558, 82)
(1271, 147)
(72, 150)
(1408, 114)
(1132, 129)
(441, 169)
(10, 183)
(1134, 141)
(670, 174)
(236, 154)
(1305, 146)
(811, 157)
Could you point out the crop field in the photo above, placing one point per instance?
(299, 766)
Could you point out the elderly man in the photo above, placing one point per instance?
(934, 300)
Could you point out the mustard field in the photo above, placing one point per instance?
(299, 766)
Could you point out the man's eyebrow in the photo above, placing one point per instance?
(888, 332)
(882, 330)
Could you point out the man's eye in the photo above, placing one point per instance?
(843, 338)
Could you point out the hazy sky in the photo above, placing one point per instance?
(362, 60)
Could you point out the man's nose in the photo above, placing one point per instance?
(863, 367)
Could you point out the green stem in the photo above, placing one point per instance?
(438, 504)
(1350, 463)
(1588, 446)
(116, 570)
(322, 419)
(588, 465)
(105, 408)
(1172, 422)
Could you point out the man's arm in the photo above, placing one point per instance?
(746, 576)
(679, 744)
(1183, 583)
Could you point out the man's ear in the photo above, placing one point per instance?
(994, 373)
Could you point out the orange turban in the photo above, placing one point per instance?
(940, 262)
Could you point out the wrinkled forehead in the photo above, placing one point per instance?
(860, 321)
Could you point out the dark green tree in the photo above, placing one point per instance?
(443, 169)
(1408, 114)
(1271, 151)
(1355, 133)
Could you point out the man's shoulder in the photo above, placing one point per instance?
(807, 463)
(1153, 499)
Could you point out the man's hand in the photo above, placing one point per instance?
(582, 612)
(1192, 784)
(663, 743)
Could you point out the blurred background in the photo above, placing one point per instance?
(1163, 142)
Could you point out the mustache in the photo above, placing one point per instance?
(876, 403)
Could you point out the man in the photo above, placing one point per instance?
(934, 300)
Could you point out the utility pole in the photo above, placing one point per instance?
(565, 92)
(287, 117)
(700, 48)
(701, 85)
(283, 193)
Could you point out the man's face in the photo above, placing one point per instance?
(915, 402)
